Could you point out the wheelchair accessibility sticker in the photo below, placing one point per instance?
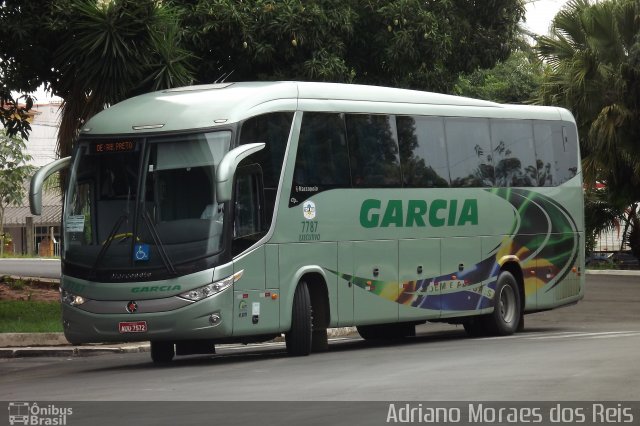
(141, 252)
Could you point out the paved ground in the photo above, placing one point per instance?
(36, 268)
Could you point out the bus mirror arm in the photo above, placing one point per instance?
(227, 168)
(35, 191)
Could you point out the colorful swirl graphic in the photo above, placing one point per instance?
(544, 238)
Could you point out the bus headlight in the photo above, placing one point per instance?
(211, 289)
(71, 299)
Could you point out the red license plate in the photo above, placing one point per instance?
(132, 327)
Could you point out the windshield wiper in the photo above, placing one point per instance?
(156, 239)
(107, 243)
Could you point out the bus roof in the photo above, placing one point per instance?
(211, 105)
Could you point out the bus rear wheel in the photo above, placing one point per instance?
(162, 352)
(507, 312)
(298, 339)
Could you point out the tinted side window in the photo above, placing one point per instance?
(513, 153)
(545, 164)
(566, 151)
(373, 150)
(322, 159)
(273, 129)
(423, 152)
(469, 151)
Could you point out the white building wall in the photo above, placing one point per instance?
(44, 131)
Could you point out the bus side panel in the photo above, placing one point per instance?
(298, 259)
(253, 266)
(376, 269)
(272, 262)
(465, 285)
(345, 285)
(563, 282)
(254, 310)
(419, 266)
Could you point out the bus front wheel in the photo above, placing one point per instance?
(298, 338)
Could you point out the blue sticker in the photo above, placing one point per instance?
(141, 252)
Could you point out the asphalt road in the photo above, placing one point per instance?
(586, 352)
(35, 268)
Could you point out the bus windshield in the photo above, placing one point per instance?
(144, 203)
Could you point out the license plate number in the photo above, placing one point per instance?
(132, 327)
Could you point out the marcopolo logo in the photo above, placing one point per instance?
(26, 413)
(408, 213)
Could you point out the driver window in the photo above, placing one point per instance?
(248, 225)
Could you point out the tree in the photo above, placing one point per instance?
(13, 173)
(91, 53)
(593, 53)
(515, 80)
(26, 50)
(403, 43)
(112, 50)
(601, 215)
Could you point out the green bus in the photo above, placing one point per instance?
(238, 212)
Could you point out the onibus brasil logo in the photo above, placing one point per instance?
(30, 413)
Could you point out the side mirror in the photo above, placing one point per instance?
(227, 168)
(35, 192)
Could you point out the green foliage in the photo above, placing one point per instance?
(110, 51)
(515, 80)
(94, 53)
(602, 214)
(404, 43)
(26, 316)
(13, 173)
(26, 48)
(14, 115)
(16, 284)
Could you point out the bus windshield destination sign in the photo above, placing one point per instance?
(110, 147)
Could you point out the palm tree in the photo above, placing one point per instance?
(593, 53)
(111, 50)
(594, 57)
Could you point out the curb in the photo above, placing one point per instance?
(36, 345)
(71, 351)
(620, 272)
(14, 340)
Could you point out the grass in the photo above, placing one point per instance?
(24, 316)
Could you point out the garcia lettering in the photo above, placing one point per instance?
(420, 213)
(155, 288)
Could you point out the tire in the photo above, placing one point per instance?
(298, 338)
(162, 352)
(507, 312)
